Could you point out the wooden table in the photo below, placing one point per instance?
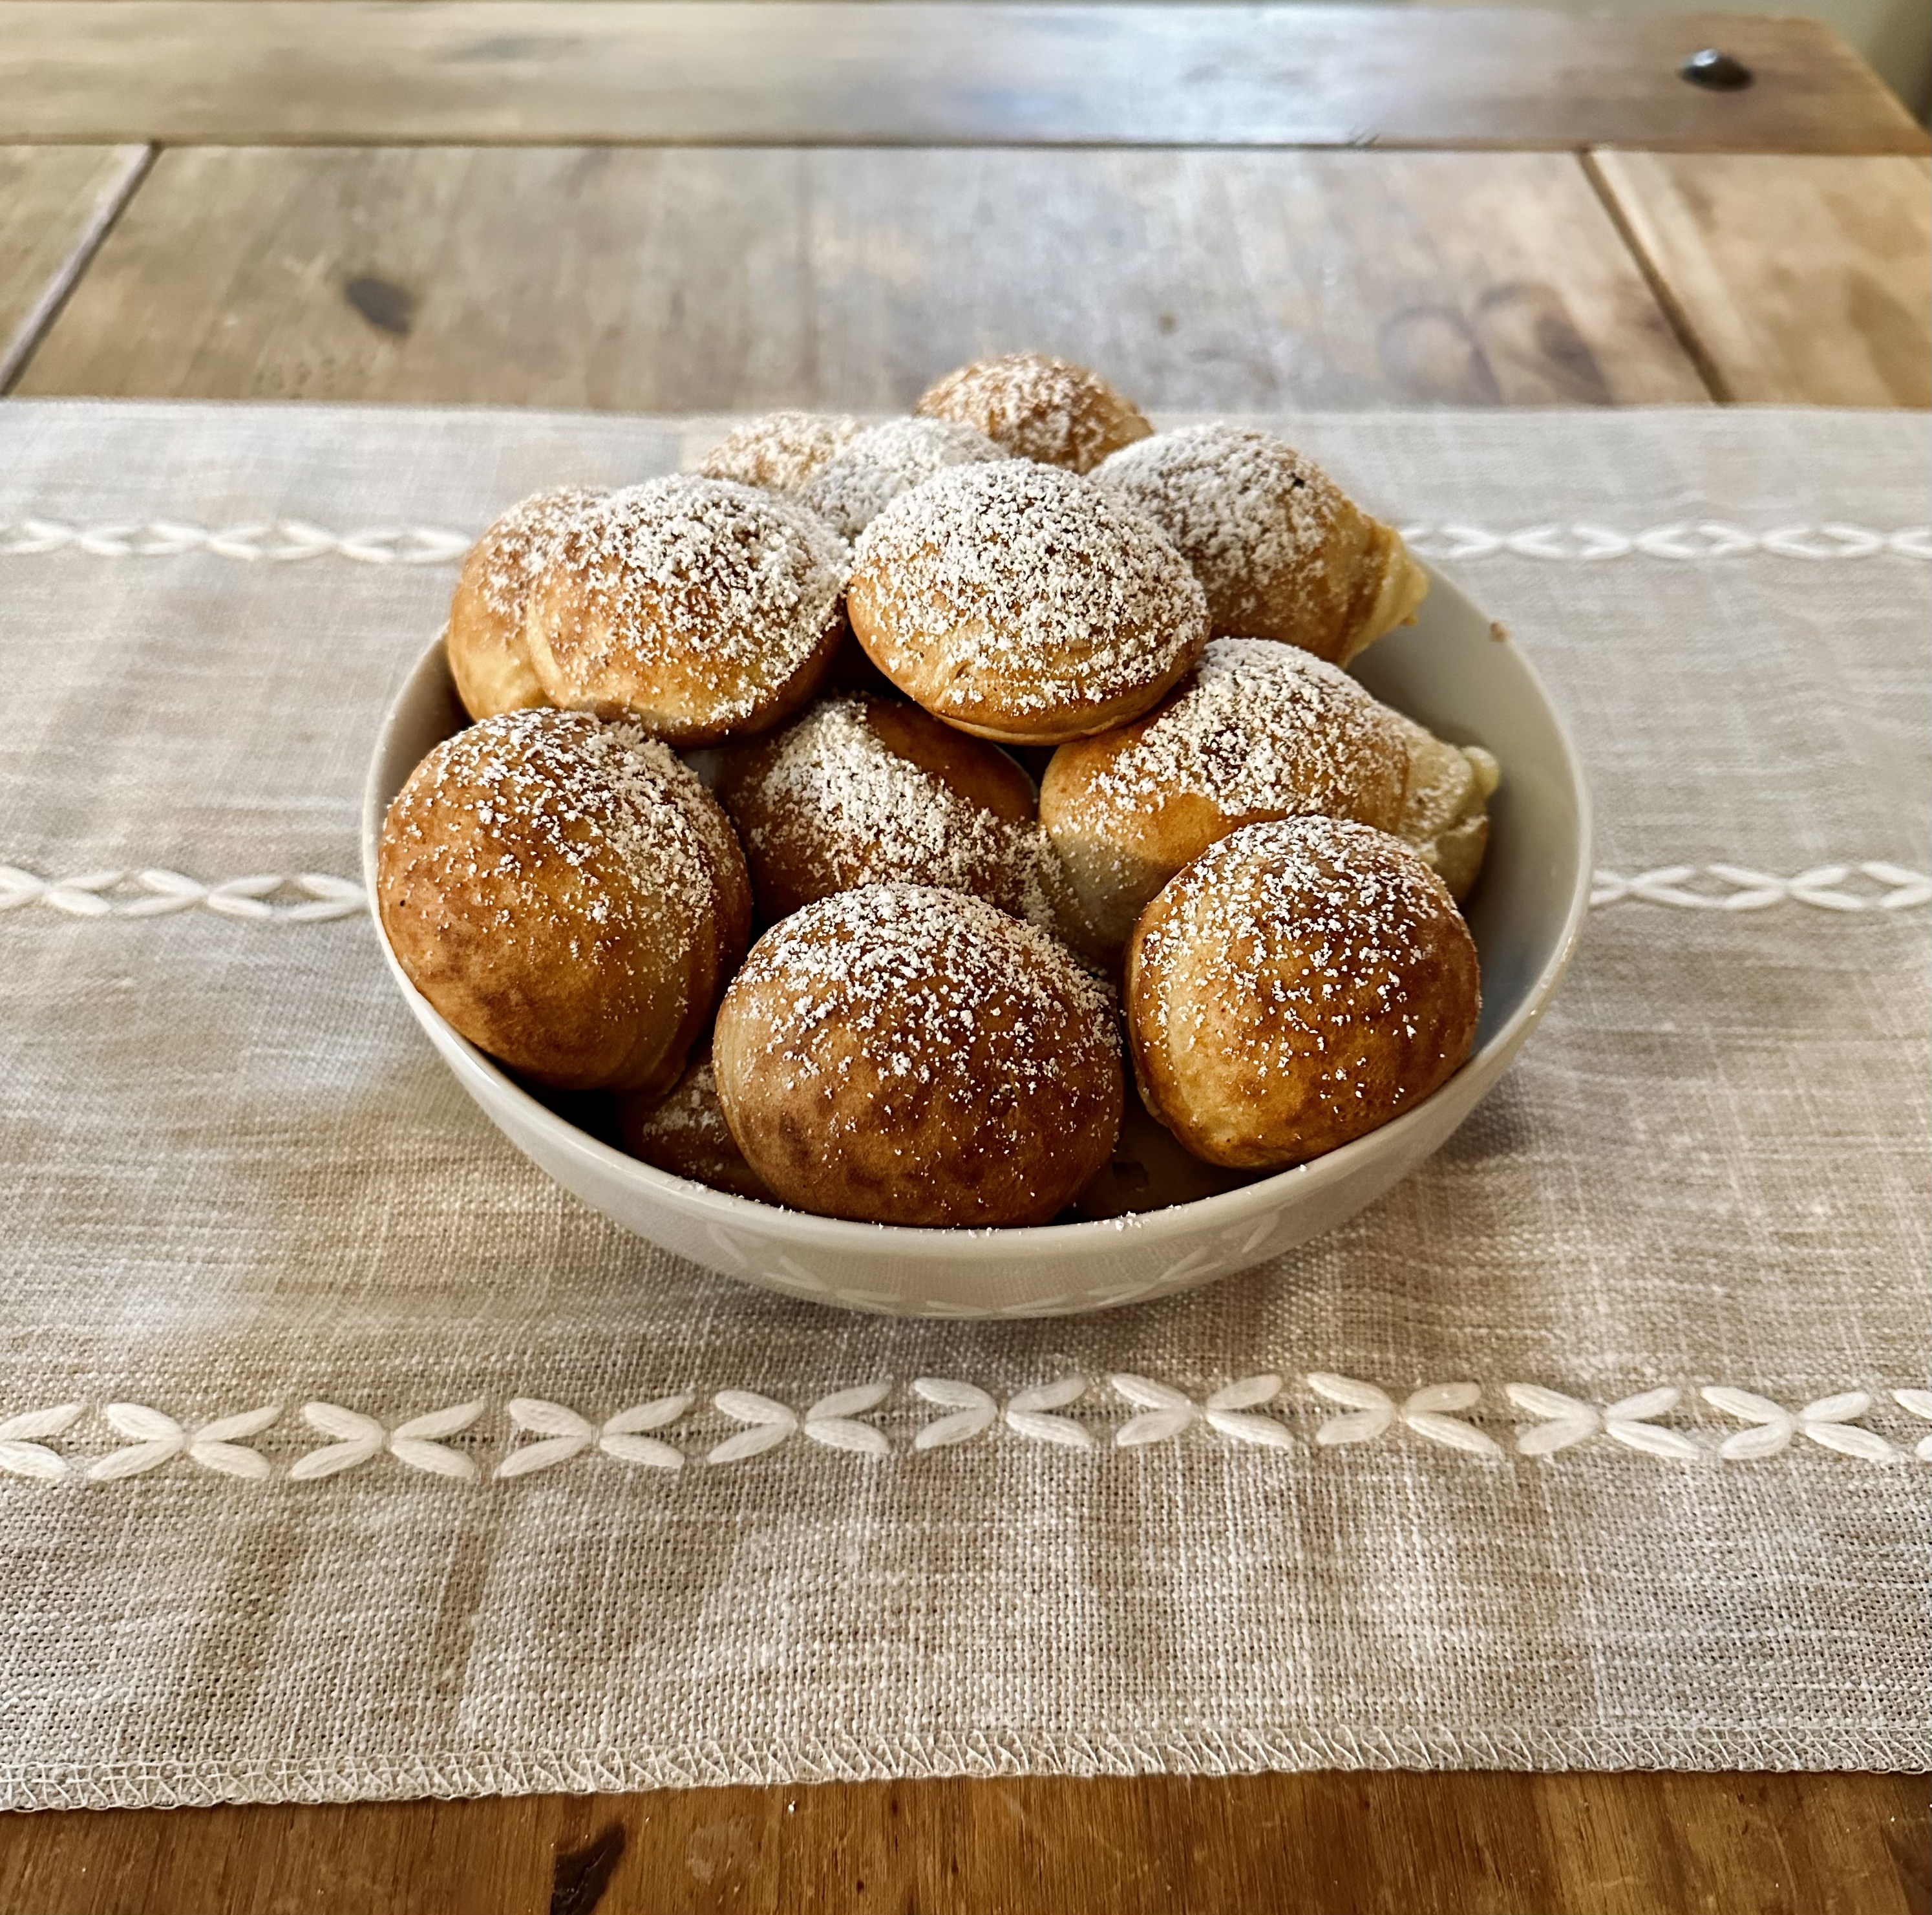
(721, 206)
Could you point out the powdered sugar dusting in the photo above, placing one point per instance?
(852, 488)
(685, 1133)
(875, 816)
(541, 790)
(1040, 408)
(917, 973)
(1261, 728)
(781, 450)
(720, 584)
(1025, 575)
(1253, 516)
(690, 1114)
(1318, 928)
(515, 550)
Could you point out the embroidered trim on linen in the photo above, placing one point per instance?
(1438, 1413)
(156, 893)
(1166, 1412)
(1029, 1412)
(1746, 890)
(417, 1442)
(287, 541)
(832, 1421)
(220, 1446)
(160, 893)
(562, 1434)
(1683, 539)
(1426, 1411)
(279, 542)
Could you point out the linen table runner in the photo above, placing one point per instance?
(342, 1455)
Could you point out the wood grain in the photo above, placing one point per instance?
(923, 71)
(1793, 277)
(1502, 1844)
(718, 279)
(56, 202)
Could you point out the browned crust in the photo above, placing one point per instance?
(797, 853)
(606, 635)
(1010, 730)
(1038, 407)
(989, 779)
(1271, 1031)
(484, 639)
(542, 925)
(959, 648)
(685, 1133)
(1122, 832)
(873, 1107)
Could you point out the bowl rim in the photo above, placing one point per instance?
(994, 1242)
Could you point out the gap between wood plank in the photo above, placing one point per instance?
(1204, 281)
(40, 316)
(1660, 289)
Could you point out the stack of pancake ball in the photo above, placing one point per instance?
(1019, 735)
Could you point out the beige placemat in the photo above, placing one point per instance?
(237, 1182)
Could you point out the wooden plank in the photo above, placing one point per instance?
(1375, 1844)
(55, 204)
(724, 280)
(1803, 278)
(830, 72)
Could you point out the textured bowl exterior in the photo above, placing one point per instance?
(1451, 673)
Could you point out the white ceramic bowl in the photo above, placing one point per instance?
(1451, 670)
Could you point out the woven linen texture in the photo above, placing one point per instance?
(235, 1177)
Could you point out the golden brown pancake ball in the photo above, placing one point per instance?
(1017, 602)
(1256, 730)
(1282, 551)
(863, 790)
(699, 608)
(780, 450)
(1300, 983)
(685, 1133)
(567, 896)
(488, 659)
(904, 1054)
(1040, 408)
